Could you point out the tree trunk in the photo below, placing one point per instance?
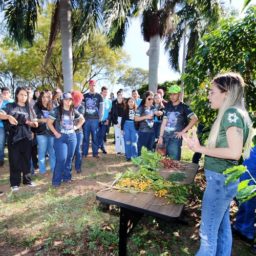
(66, 40)
(153, 53)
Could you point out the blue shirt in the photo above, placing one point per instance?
(2, 107)
(107, 105)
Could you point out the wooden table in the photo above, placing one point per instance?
(134, 205)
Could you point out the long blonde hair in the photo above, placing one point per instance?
(233, 84)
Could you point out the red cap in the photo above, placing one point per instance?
(92, 82)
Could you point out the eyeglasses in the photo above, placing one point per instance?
(149, 98)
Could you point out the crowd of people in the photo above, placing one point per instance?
(61, 127)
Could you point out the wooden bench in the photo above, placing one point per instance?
(134, 205)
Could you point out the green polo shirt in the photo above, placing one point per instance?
(231, 118)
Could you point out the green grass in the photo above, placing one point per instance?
(69, 221)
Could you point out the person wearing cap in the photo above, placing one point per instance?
(94, 105)
(63, 121)
(177, 120)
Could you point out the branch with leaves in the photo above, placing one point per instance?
(245, 191)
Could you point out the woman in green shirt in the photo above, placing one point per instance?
(229, 135)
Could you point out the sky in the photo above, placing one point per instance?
(137, 48)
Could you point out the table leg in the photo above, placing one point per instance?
(128, 220)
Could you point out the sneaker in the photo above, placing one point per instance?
(103, 150)
(1, 193)
(31, 184)
(15, 188)
(96, 156)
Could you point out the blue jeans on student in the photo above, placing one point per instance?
(2, 143)
(91, 126)
(173, 147)
(146, 139)
(130, 140)
(45, 145)
(157, 126)
(215, 230)
(78, 151)
(101, 135)
(64, 150)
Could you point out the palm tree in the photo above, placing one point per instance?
(158, 23)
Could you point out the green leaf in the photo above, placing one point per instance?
(243, 184)
(234, 176)
(234, 169)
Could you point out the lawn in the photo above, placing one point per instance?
(69, 220)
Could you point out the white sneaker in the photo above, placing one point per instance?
(31, 184)
(15, 188)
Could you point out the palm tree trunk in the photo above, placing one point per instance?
(66, 40)
(154, 48)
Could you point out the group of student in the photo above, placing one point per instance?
(59, 126)
(62, 123)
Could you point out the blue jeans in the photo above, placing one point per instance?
(147, 140)
(45, 145)
(78, 151)
(130, 140)
(173, 147)
(64, 150)
(215, 230)
(2, 143)
(101, 135)
(91, 126)
(157, 126)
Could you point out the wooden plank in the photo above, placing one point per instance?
(189, 169)
(146, 203)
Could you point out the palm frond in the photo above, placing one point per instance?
(21, 17)
(246, 2)
(117, 33)
(192, 42)
(86, 17)
(173, 42)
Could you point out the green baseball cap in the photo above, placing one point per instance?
(174, 89)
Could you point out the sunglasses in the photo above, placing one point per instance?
(149, 98)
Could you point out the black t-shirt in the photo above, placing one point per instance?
(177, 117)
(41, 112)
(92, 103)
(146, 125)
(64, 123)
(21, 114)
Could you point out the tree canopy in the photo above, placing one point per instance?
(231, 47)
(25, 65)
